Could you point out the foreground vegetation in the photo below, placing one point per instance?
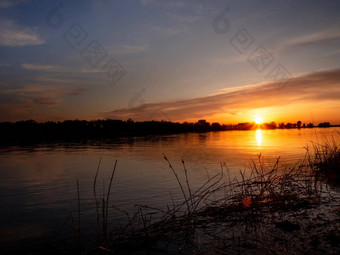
(268, 209)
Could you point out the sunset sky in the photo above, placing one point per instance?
(225, 61)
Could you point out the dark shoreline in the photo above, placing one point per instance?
(80, 131)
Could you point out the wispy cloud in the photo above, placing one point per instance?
(47, 68)
(163, 31)
(34, 102)
(316, 86)
(36, 95)
(180, 16)
(14, 35)
(5, 65)
(320, 38)
(6, 3)
(145, 2)
(166, 4)
(58, 69)
(128, 49)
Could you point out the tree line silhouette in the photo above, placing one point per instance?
(31, 131)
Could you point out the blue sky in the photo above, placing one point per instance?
(169, 59)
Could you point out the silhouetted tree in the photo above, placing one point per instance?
(30, 131)
(203, 123)
(282, 125)
(216, 126)
(324, 124)
(298, 124)
(288, 125)
(244, 126)
(271, 125)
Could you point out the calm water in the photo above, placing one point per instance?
(38, 188)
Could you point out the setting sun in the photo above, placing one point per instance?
(258, 120)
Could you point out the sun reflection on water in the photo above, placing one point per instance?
(259, 137)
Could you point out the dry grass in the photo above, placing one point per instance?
(267, 210)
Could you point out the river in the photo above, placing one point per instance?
(38, 191)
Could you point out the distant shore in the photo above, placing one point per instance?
(30, 131)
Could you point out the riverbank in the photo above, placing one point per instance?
(31, 132)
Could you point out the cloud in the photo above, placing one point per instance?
(315, 86)
(35, 101)
(47, 68)
(163, 31)
(6, 3)
(320, 38)
(58, 69)
(128, 49)
(146, 2)
(36, 95)
(13, 35)
(179, 15)
(5, 65)
(165, 4)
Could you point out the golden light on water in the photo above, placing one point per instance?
(259, 137)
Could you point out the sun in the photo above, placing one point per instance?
(258, 119)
